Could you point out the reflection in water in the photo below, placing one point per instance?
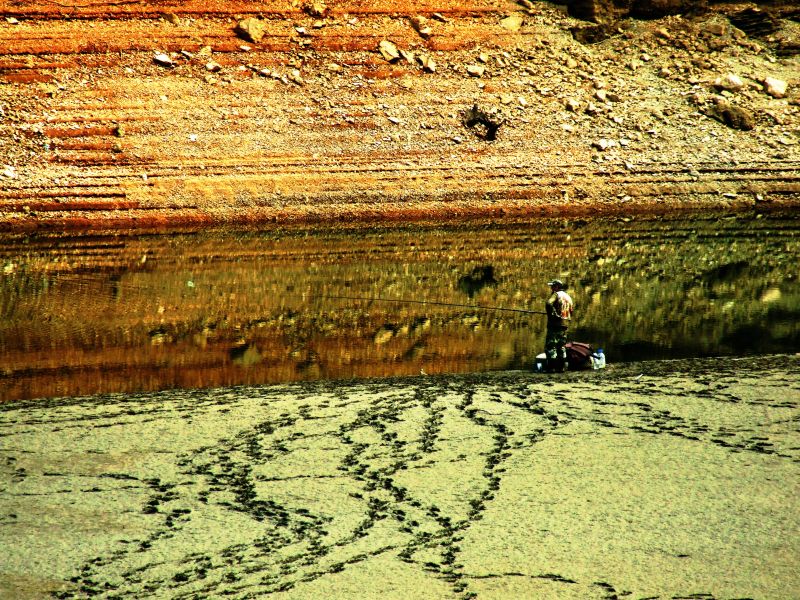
(130, 310)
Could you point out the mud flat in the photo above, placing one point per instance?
(646, 480)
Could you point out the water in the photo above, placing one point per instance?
(129, 311)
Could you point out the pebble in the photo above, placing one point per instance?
(476, 70)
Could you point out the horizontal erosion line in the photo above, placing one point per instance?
(156, 169)
(56, 10)
(20, 195)
(538, 177)
(225, 41)
(74, 205)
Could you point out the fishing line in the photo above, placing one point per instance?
(433, 302)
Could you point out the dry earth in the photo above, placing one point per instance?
(141, 113)
(650, 480)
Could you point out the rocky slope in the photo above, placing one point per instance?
(148, 113)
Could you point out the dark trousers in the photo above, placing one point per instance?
(555, 343)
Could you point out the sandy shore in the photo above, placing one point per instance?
(649, 480)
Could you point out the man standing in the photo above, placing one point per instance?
(559, 308)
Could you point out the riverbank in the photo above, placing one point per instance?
(661, 479)
(137, 115)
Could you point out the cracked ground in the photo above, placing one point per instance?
(673, 479)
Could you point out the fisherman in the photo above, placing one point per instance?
(559, 308)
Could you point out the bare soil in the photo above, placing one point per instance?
(312, 122)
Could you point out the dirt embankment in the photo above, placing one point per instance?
(145, 113)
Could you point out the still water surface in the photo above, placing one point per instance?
(128, 311)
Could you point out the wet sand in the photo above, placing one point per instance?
(673, 479)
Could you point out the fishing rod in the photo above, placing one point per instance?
(433, 302)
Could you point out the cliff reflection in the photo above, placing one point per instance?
(128, 311)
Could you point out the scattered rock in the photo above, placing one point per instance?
(732, 115)
(213, 67)
(316, 9)
(591, 109)
(572, 105)
(163, 59)
(663, 33)
(12, 21)
(775, 87)
(428, 64)
(512, 23)
(295, 77)
(9, 172)
(715, 28)
(419, 23)
(729, 82)
(251, 29)
(172, 18)
(389, 51)
(484, 124)
(476, 70)
(604, 144)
